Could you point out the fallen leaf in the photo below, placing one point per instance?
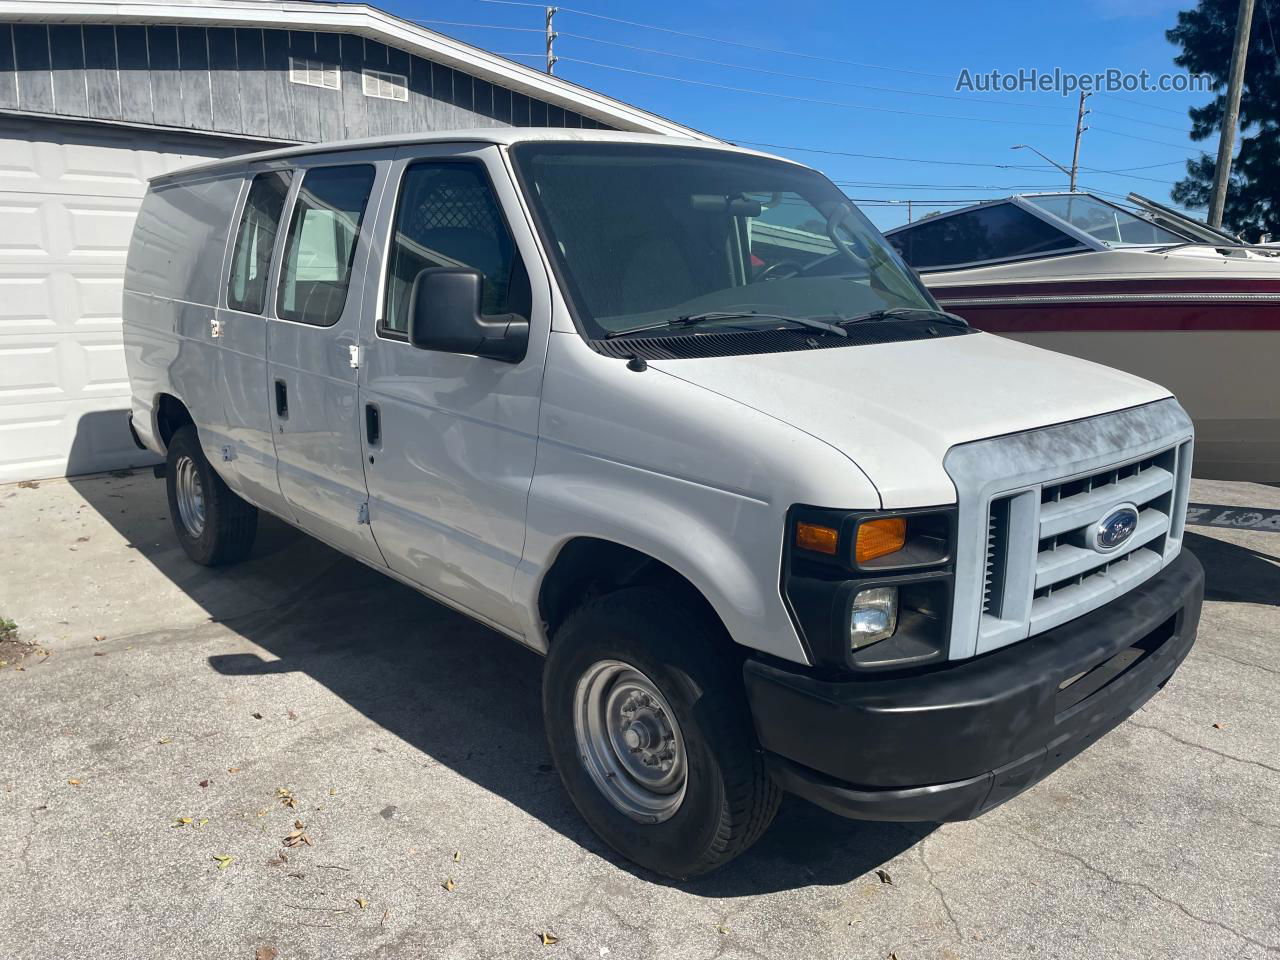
(287, 799)
(291, 715)
(884, 876)
(28, 484)
(361, 902)
(74, 783)
(385, 913)
(82, 539)
(233, 769)
(201, 822)
(723, 931)
(279, 860)
(184, 822)
(204, 783)
(1219, 726)
(449, 884)
(266, 953)
(457, 856)
(165, 740)
(223, 860)
(549, 939)
(256, 716)
(98, 653)
(853, 921)
(99, 638)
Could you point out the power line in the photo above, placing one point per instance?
(1139, 103)
(786, 96)
(878, 184)
(879, 156)
(1150, 123)
(797, 76)
(1145, 166)
(480, 26)
(1133, 136)
(732, 43)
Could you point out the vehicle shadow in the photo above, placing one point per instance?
(1236, 573)
(463, 695)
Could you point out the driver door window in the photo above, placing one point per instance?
(448, 216)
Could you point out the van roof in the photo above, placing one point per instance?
(495, 135)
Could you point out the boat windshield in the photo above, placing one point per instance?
(1104, 221)
(652, 236)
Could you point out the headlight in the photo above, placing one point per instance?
(871, 589)
(873, 616)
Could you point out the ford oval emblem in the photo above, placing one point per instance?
(1114, 530)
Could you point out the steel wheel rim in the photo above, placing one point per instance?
(190, 496)
(630, 742)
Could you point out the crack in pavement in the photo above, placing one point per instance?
(1138, 884)
(937, 888)
(1243, 663)
(1201, 746)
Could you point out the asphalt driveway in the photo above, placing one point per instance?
(173, 726)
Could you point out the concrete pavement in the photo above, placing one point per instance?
(410, 745)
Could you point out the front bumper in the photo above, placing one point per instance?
(953, 742)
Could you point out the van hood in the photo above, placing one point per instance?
(895, 409)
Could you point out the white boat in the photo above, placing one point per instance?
(1147, 290)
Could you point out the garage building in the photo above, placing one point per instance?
(96, 97)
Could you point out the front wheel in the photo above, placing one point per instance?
(213, 525)
(649, 728)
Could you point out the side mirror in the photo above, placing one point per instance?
(444, 315)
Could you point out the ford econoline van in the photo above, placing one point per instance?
(676, 416)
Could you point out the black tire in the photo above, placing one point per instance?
(729, 798)
(229, 524)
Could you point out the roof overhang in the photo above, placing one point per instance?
(358, 19)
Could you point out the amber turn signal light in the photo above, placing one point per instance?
(879, 538)
(812, 536)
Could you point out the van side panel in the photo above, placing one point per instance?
(655, 463)
(171, 285)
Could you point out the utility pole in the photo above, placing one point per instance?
(551, 40)
(1227, 141)
(1080, 129)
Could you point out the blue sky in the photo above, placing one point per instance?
(910, 53)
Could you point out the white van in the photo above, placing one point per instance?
(675, 415)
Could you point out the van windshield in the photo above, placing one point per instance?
(644, 234)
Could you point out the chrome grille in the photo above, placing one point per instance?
(1050, 526)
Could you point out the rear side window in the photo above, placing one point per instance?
(256, 238)
(321, 243)
(999, 232)
(448, 216)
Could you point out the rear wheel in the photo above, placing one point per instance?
(213, 525)
(649, 728)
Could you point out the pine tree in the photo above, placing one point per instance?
(1205, 35)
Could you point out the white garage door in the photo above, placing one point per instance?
(68, 196)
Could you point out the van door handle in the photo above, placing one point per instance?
(282, 400)
(373, 424)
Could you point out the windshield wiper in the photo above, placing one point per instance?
(908, 313)
(692, 319)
